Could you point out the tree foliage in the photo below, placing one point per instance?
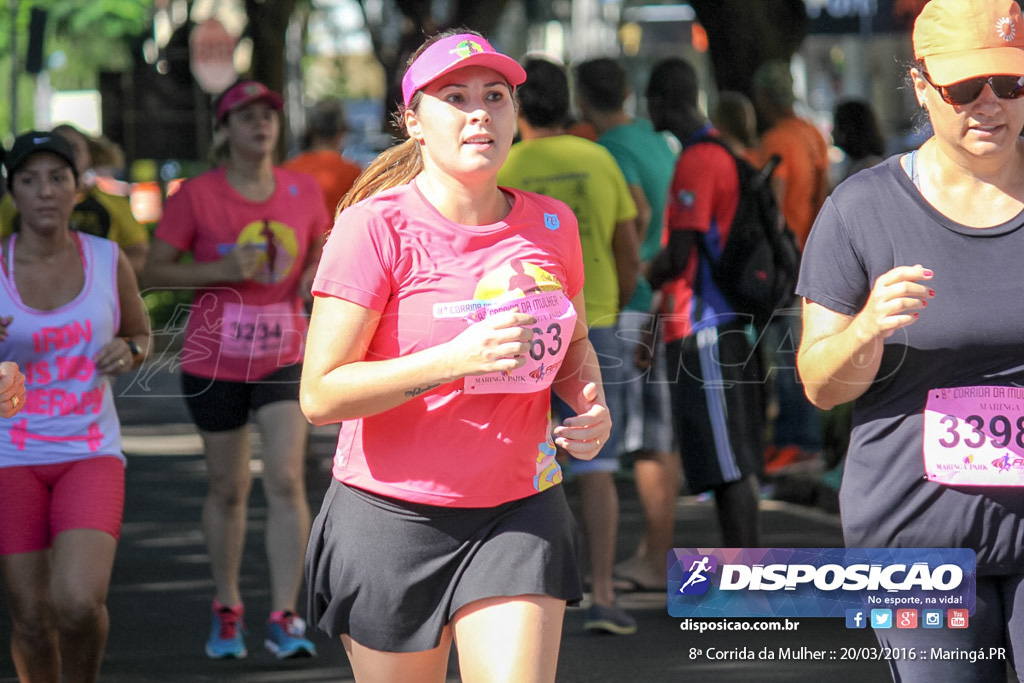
(100, 20)
(99, 35)
(94, 35)
(82, 20)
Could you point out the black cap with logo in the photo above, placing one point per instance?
(27, 144)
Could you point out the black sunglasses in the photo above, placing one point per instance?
(965, 92)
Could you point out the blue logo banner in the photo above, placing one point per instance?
(818, 582)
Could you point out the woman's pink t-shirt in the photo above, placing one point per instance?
(244, 331)
(396, 254)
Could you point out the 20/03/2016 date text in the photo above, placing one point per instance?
(923, 653)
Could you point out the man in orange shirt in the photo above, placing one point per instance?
(801, 180)
(800, 183)
(322, 158)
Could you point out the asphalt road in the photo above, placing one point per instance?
(160, 593)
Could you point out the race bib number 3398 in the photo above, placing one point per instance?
(974, 436)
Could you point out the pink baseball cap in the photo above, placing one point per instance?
(243, 93)
(454, 52)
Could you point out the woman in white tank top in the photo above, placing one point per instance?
(72, 318)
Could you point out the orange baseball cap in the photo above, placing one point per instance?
(961, 39)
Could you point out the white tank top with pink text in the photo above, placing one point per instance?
(69, 407)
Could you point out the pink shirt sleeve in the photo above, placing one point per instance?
(358, 259)
(321, 218)
(177, 226)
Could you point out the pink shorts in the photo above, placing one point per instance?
(41, 501)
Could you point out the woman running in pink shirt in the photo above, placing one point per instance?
(445, 306)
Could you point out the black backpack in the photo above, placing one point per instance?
(760, 262)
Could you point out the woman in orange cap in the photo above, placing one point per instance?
(444, 307)
(911, 311)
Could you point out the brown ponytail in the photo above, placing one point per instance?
(395, 166)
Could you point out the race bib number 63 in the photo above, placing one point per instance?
(556, 320)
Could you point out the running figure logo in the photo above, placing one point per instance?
(467, 48)
(698, 566)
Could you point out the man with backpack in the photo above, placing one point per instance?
(713, 371)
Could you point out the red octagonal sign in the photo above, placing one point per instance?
(212, 55)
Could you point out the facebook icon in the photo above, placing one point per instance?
(855, 618)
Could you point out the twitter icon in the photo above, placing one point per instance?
(881, 618)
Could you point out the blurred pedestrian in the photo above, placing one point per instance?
(583, 129)
(71, 315)
(647, 162)
(855, 130)
(736, 121)
(445, 306)
(585, 176)
(713, 372)
(254, 232)
(108, 166)
(911, 310)
(800, 182)
(321, 156)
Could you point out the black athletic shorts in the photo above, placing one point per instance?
(219, 405)
(717, 406)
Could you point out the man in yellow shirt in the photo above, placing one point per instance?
(585, 175)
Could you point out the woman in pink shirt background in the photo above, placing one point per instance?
(254, 231)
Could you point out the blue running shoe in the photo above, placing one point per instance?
(285, 636)
(609, 619)
(226, 633)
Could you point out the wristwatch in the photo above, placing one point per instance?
(136, 351)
